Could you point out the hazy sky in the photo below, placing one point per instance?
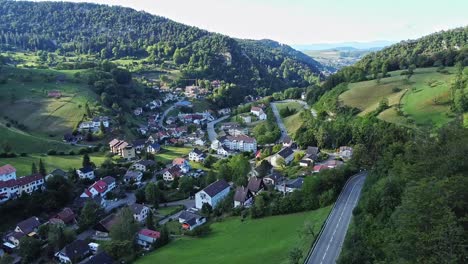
(310, 21)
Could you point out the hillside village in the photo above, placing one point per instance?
(140, 183)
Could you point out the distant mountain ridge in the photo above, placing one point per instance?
(117, 32)
(341, 45)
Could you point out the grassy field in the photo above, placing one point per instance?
(292, 122)
(423, 100)
(164, 211)
(266, 240)
(23, 164)
(169, 153)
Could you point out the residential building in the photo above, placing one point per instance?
(140, 212)
(196, 155)
(255, 185)
(258, 112)
(73, 252)
(57, 172)
(243, 197)
(212, 194)
(312, 153)
(101, 187)
(182, 163)
(345, 152)
(139, 144)
(153, 148)
(66, 217)
(29, 226)
(105, 225)
(7, 172)
(144, 165)
(246, 118)
(240, 143)
(122, 148)
(138, 111)
(86, 173)
(287, 142)
(191, 220)
(147, 237)
(172, 173)
(11, 187)
(289, 186)
(306, 162)
(132, 176)
(95, 124)
(274, 178)
(286, 154)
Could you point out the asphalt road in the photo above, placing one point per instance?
(211, 130)
(279, 121)
(328, 247)
(161, 120)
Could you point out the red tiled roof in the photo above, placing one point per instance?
(178, 161)
(150, 233)
(7, 169)
(8, 184)
(28, 179)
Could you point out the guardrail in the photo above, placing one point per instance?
(306, 260)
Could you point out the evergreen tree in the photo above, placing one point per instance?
(42, 169)
(86, 161)
(150, 221)
(88, 110)
(33, 168)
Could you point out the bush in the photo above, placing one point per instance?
(52, 152)
(200, 231)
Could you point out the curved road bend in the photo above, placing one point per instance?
(328, 246)
(212, 135)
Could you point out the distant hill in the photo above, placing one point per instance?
(348, 45)
(337, 58)
(118, 32)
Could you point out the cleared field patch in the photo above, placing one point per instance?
(169, 153)
(292, 122)
(23, 164)
(266, 240)
(424, 98)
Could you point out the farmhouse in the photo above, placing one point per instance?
(212, 194)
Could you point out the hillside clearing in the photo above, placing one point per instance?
(266, 240)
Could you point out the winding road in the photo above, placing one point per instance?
(328, 246)
(161, 120)
(279, 121)
(211, 130)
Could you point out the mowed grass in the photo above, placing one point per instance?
(22, 142)
(23, 164)
(169, 153)
(292, 122)
(266, 240)
(27, 103)
(424, 99)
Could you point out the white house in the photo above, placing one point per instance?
(287, 154)
(240, 143)
(196, 155)
(191, 220)
(258, 112)
(143, 165)
(172, 173)
(243, 197)
(212, 194)
(85, 173)
(140, 212)
(11, 187)
(7, 172)
(101, 187)
(133, 176)
(147, 237)
(153, 148)
(290, 185)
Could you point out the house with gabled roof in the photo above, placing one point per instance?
(85, 173)
(212, 194)
(144, 165)
(147, 237)
(287, 154)
(73, 252)
(100, 258)
(101, 187)
(191, 220)
(255, 185)
(243, 197)
(196, 155)
(66, 217)
(140, 212)
(172, 173)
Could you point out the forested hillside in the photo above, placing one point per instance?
(117, 32)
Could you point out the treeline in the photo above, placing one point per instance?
(413, 208)
(116, 32)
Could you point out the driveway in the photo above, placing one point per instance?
(211, 130)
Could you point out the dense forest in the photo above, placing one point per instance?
(113, 32)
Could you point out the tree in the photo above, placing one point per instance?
(163, 238)
(152, 194)
(264, 168)
(125, 226)
(7, 147)
(150, 221)
(239, 166)
(42, 169)
(7, 259)
(90, 215)
(88, 110)
(186, 184)
(206, 209)
(86, 161)
(33, 168)
(30, 249)
(59, 236)
(280, 162)
(102, 128)
(295, 255)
